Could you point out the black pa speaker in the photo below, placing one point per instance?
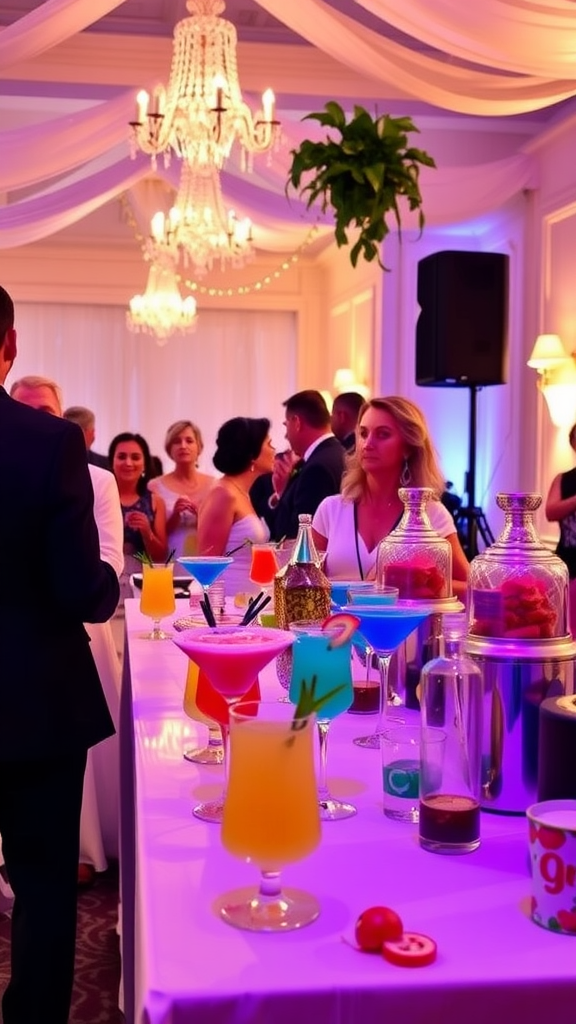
(462, 329)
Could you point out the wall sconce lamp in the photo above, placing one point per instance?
(345, 380)
(556, 378)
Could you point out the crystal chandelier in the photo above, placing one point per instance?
(162, 311)
(202, 113)
(199, 228)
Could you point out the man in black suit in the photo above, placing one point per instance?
(86, 420)
(345, 411)
(300, 487)
(52, 707)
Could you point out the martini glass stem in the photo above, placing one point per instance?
(384, 669)
(225, 734)
(323, 792)
(156, 633)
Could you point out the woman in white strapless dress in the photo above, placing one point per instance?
(227, 518)
(184, 489)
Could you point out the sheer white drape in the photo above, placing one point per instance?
(235, 364)
(467, 89)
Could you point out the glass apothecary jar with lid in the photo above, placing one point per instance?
(413, 557)
(518, 589)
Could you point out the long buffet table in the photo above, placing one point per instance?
(182, 965)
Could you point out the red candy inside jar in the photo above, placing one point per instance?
(417, 580)
(518, 588)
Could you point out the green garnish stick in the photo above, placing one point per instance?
(309, 704)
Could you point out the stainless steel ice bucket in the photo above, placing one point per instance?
(517, 677)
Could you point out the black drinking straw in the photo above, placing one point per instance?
(207, 610)
(255, 608)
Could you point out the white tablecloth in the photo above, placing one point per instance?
(494, 965)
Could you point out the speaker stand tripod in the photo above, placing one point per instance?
(470, 519)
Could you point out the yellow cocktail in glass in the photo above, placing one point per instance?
(214, 752)
(271, 815)
(157, 597)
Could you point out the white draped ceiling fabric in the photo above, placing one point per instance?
(524, 45)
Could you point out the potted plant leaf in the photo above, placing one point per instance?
(361, 175)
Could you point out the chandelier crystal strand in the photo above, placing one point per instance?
(199, 227)
(202, 113)
(162, 311)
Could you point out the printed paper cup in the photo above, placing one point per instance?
(552, 839)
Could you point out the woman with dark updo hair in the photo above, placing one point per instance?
(226, 519)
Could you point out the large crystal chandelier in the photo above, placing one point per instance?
(201, 113)
(199, 228)
(162, 311)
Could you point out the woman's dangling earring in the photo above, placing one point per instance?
(405, 475)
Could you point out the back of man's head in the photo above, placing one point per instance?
(311, 409)
(39, 393)
(6, 313)
(81, 415)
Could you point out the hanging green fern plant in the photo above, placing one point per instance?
(361, 176)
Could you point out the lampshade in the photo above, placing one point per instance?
(344, 379)
(548, 351)
(559, 391)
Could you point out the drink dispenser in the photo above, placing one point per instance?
(518, 634)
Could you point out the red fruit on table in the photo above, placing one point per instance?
(412, 950)
(375, 926)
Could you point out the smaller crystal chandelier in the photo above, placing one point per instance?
(162, 311)
(201, 113)
(199, 228)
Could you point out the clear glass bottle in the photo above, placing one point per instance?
(301, 590)
(518, 589)
(451, 702)
(413, 557)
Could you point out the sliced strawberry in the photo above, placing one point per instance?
(347, 623)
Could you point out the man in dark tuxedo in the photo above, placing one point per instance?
(345, 411)
(300, 487)
(86, 420)
(52, 707)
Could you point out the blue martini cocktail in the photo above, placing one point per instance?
(205, 568)
(384, 628)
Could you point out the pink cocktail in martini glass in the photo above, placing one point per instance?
(384, 628)
(231, 657)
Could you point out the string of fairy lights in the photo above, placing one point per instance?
(288, 262)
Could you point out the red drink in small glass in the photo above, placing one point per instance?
(264, 565)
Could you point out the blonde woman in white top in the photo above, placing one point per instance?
(393, 449)
(183, 489)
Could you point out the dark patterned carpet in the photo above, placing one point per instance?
(95, 998)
